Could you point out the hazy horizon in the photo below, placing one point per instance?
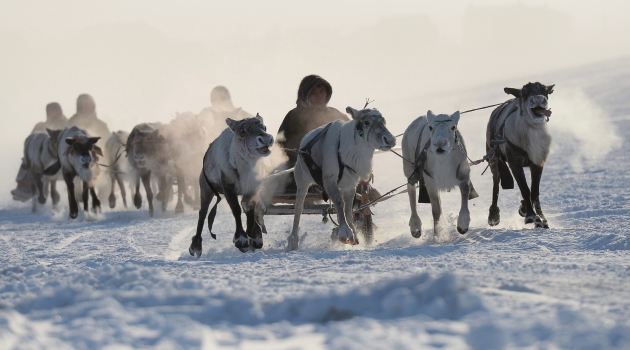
(144, 61)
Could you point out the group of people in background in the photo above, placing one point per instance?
(310, 112)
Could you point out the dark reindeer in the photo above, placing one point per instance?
(78, 156)
(517, 135)
(231, 167)
(148, 153)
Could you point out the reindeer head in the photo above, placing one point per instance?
(148, 145)
(371, 127)
(534, 101)
(84, 150)
(443, 131)
(251, 135)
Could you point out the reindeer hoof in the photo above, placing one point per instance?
(522, 211)
(494, 217)
(256, 243)
(461, 230)
(73, 215)
(416, 233)
(179, 208)
(533, 219)
(241, 242)
(41, 200)
(539, 223)
(112, 201)
(195, 248)
(137, 201)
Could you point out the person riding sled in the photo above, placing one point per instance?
(311, 112)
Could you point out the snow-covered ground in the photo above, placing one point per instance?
(124, 279)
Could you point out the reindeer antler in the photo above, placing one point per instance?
(367, 102)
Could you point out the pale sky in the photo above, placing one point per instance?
(145, 60)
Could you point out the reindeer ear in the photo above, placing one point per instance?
(550, 89)
(259, 118)
(512, 91)
(455, 117)
(233, 124)
(98, 150)
(70, 141)
(94, 139)
(353, 112)
(430, 116)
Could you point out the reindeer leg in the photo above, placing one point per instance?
(348, 201)
(536, 176)
(41, 198)
(72, 199)
(54, 194)
(163, 187)
(436, 207)
(137, 198)
(112, 196)
(254, 231)
(123, 191)
(96, 203)
(240, 240)
(345, 232)
(86, 189)
(146, 181)
(302, 188)
(181, 188)
(463, 220)
(195, 248)
(415, 224)
(494, 215)
(521, 180)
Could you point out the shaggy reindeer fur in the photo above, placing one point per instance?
(352, 143)
(149, 153)
(445, 166)
(119, 169)
(77, 154)
(521, 124)
(231, 167)
(40, 155)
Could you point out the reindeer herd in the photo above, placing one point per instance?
(335, 156)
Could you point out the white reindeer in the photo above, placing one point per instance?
(336, 156)
(40, 155)
(517, 135)
(231, 167)
(77, 154)
(438, 151)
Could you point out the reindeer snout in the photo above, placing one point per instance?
(85, 161)
(388, 142)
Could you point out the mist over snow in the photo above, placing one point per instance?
(121, 279)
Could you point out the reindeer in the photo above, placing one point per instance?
(231, 167)
(336, 156)
(187, 139)
(149, 153)
(78, 156)
(440, 164)
(517, 135)
(42, 162)
(119, 170)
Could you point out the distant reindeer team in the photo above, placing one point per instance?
(335, 156)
